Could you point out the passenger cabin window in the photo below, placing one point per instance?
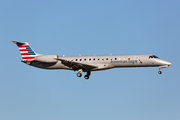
(115, 58)
(102, 58)
(94, 59)
(76, 59)
(89, 59)
(128, 58)
(98, 59)
(80, 59)
(106, 58)
(84, 59)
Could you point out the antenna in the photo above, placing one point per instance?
(63, 55)
(110, 54)
(79, 54)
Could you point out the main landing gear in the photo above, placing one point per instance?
(87, 75)
(159, 71)
(79, 74)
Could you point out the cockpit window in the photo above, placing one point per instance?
(153, 56)
(150, 57)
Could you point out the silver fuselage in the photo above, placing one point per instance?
(104, 62)
(88, 63)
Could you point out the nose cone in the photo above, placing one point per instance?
(168, 63)
(165, 62)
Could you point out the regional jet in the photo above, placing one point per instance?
(88, 63)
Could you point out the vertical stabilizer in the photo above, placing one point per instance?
(27, 53)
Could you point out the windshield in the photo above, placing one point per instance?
(153, 56)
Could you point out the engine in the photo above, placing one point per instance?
(46, 58)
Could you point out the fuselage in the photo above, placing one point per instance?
(107, 62)
(88, 63)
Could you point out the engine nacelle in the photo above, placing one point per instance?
(46, 58)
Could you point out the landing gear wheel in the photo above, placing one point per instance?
(79, 74)
(160, 72)
(86, 77)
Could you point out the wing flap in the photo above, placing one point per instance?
(76, 64)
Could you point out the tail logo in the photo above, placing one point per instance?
(28, 55)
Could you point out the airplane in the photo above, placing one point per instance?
(88, 63)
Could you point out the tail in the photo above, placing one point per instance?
(27, 53)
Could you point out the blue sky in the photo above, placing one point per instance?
(96, 27)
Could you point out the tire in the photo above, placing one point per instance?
(86, 77)
(79, 74)
(160, 72)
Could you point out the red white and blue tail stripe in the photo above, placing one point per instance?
(27, 53)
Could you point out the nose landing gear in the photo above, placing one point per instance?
(159, 71)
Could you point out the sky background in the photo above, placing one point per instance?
(95, 27)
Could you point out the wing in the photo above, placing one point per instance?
(76, 65)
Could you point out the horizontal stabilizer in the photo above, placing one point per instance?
(19, 43)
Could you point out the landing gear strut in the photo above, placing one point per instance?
(87, 75)
(79, 74)
(159, 71)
